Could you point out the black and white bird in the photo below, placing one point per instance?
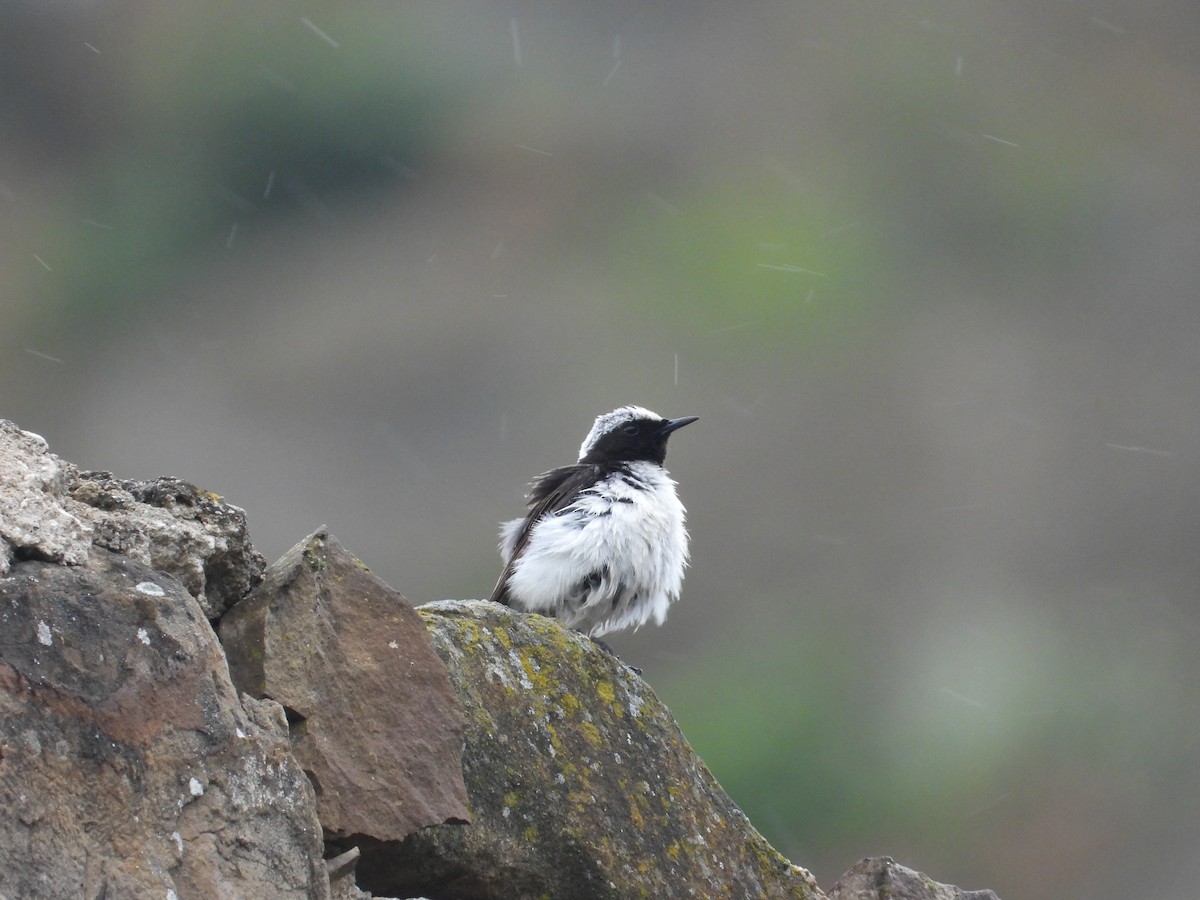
(603, 546)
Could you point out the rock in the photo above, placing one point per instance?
(375, 722)
(581, 784)
(128, 768)
(340, 870)
(51, 511)
(462, 750)
(176, 528)
(881, 878)
(34, 520)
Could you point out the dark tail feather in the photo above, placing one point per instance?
(500, 591)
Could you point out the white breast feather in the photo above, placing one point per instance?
(640, 533)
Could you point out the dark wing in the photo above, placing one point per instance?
(550, 492)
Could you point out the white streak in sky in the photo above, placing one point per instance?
(319, 33)
(46, 356)
(792, 269)
(270, 184)
(43, 262)
(533, 149)
(1139, 450)
(992, 137)
(616, 60)
(516, 39)
(676, 370)
(957, 696)
(90, 47)
(1106, 25)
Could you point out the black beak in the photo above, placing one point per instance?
(675, 424)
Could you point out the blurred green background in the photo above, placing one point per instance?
(928, 272)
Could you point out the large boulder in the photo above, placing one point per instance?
(49, 510)
(374, 721)
(581, 784)
(128, 768)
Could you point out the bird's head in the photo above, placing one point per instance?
(628, 434)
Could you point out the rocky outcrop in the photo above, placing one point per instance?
(49, 510)
(374, 720)
(458, 751)
(882, 878)
(581, 783)
(128, 768)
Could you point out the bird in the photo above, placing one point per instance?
(604, 543)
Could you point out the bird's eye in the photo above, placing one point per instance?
(630, 429)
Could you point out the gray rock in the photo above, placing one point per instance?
(50, 511)
(882, 878)
(176, 528)
(34, 520)
(130, 769)
(374, 720)
(581, 784)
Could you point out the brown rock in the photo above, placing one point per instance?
(581, 784)
(882, 878)
(127, 766)
(375, 722)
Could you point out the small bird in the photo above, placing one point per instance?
(603, 546)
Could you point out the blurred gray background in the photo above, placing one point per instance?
(927, 271)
